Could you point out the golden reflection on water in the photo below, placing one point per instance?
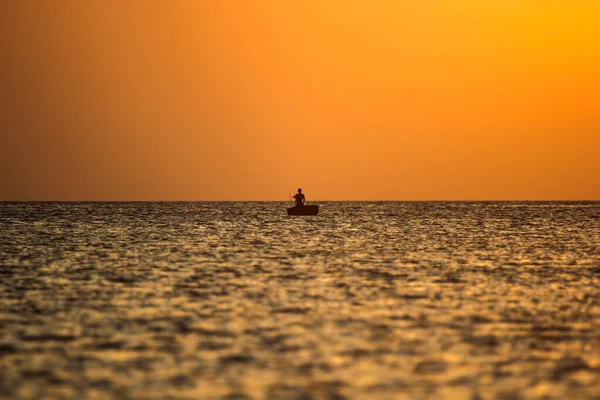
(237, 301)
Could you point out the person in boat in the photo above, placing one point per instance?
(299, 197)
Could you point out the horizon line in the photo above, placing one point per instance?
(287, 201)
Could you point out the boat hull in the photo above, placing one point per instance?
(304, 210)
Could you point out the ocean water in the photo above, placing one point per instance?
(381, 300)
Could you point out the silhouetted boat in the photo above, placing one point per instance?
(304, 210)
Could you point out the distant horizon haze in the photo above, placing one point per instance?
(309, 202)
(352, 101)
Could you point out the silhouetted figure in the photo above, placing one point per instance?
(301, 208)
(299, 197)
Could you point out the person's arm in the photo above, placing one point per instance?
(303, 200)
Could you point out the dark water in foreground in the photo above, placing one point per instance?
(238, 300)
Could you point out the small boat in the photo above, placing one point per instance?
(303, 210)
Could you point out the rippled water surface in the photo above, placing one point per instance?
(386, 300)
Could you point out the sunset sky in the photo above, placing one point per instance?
(251, 99)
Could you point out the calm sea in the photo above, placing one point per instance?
(236, 300)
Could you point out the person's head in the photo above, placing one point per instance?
(299, 190)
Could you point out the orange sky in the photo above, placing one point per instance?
(251, 99)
